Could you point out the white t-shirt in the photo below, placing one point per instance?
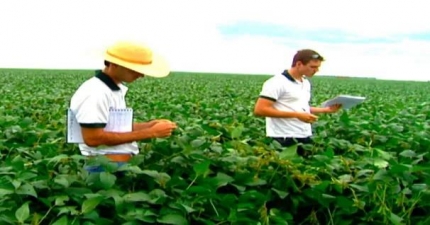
(288, 95)
(91, 103)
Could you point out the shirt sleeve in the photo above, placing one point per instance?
(271, 90)
(91, 110)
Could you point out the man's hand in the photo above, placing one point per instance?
(147, 125)
(159, 120)
(333, 108)
(330, 109)
(307, 117)
(163, 128)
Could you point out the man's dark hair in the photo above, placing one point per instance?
(305, 56)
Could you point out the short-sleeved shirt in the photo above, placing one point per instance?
(288, 95)
(91, 103)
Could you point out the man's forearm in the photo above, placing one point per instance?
(318, 110)
(141, 126)
(272, 112)
(113, 138)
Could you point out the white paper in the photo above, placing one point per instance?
(74, 134)
(347, 101)
(120, 120)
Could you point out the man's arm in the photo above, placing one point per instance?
(98, 136)
(92, 112)
(264, 107)
(94, 137)
(329, 109)
(143, 125)
(146, 125)
(318, 110)
(271, 91)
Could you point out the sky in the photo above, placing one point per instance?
(382, 39)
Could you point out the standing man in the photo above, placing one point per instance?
(90, 104)
(284, 101)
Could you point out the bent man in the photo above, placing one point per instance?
(125, 62)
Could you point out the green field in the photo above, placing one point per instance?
(370, 165)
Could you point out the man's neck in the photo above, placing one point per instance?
(105, 71)
(295, 74)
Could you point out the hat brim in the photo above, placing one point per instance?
(158, 68)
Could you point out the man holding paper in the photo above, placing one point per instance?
(284, 101)
(105, 125)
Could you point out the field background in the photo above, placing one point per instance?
(370, 163)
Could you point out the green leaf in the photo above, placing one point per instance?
(381, 175)
(364, 172)
(23, 212)
(329, 153)
(384, 155)
(137, 197)
(59, 201)
(68, 210)
(62, 221)
(237, 131)
(90, 204)
(26, 175)
(419, 187)
(202, 169)
(360, 188)
(395, 219)
(162, 179)
(6, 189)
(173, 219)
(188, 208)
(151, 173)
(58, 158)
(408, 153)
(345, 118)
(197, 143)
(281, 194)
(380, 163)
(199, 190)
(345, 178)
(62, 181)
(345, 204)
(400, 168)
(326, 196)
(222, 179)
(26, 189)
(289, 152)
(107, 179)
(255, 182)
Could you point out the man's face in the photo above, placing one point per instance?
(126, 75)
(310, 68)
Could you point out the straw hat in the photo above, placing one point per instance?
(137, 57)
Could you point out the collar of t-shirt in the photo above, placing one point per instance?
(289, 77)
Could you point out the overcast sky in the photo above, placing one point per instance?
(384, 39)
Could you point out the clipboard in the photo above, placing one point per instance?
(120, 120)
(347, 101)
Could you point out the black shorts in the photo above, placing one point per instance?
(287, 142)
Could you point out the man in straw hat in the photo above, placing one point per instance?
(284, 101)
(91, 103)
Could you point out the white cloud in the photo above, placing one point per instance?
(73, 33)
(364, 17)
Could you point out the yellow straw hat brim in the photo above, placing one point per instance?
(138, 58)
